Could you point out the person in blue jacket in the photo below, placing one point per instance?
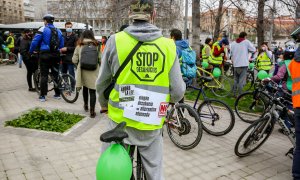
(49, 53)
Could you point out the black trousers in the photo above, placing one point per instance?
(31, 66)
(86, 91)
(49, 61)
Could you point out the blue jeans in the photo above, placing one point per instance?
(296, 158)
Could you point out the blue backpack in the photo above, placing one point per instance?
(188, 63)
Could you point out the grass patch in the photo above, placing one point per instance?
(56, 121)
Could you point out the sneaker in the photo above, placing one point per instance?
(57, 97)
(42, 98)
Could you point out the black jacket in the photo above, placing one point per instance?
(70, 43)
(24, 47)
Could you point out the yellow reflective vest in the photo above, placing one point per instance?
(263, 62)
(141, 94)
(12, 42)
(204, 56)
(215, 59)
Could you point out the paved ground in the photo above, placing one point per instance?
(27, 154)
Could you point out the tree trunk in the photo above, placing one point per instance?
(218, 20)
(260, 22)
(196, 26)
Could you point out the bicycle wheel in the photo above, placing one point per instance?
(184, 127)
(250, 106)
(37, 80)
(217, 118)
(223, 88)
(249, 81)
(67, 88)
(253, 137)
(140, 172)
(13, 58)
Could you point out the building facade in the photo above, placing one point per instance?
(29, 11)
(107, 16)
(11, 11)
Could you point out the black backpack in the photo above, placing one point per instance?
(89, 57)
(54, 41)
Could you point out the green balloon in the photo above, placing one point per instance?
(217, 72)
(6, 50)
(205, 64)
(270, 75)
(251, 65)
(114, 164)
(262, 74)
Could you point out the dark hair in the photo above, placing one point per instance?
(104, 37)
(26, 31)
(207, 40)
(242, 35)
(176, 33)
(288, 55)
(68, 23)
(260, 50)
(123, 27)
(87, 34)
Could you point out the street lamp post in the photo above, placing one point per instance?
(186, 19)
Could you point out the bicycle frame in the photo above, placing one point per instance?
(211, 75)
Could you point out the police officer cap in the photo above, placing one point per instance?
(141, 9)
(224, 41)
(49, 18)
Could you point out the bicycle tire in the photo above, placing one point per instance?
(15, 58)
(211, 116)
(258, 125)
(226, 86)
(37, 80)
(140, 172)
(65, 85)
(249, 81)
(249, 107)
(186, 127)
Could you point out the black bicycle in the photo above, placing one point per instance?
(216, 116)
(259, 131)
(184, 126)
(117, 135)
(66, 85)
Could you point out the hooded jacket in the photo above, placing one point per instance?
(181, 45)
(239, 51)
(145, 32)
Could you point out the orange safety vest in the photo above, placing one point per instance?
(295, 74)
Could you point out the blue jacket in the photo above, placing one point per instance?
(180, 45)
(42, 39)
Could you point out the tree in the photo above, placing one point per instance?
(260, 22)
(196, 26)
(218, 20)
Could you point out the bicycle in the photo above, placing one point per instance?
(220, 86)
(181, 121)
(117, 135)
(8, 58)
(259, 131)
(251, 106)
(212, 110)
(66, 85)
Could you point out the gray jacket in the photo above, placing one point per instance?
(145, 32)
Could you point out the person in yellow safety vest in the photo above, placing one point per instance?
(264, 58)
(144, 87)
(206, 49)
(218, 52)
(10, 41)
(294, 68)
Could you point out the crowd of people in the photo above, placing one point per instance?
(98, 63)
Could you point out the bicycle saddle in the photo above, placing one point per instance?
(117, 134)
(206, 79)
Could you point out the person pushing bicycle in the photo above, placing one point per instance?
(140, 91)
